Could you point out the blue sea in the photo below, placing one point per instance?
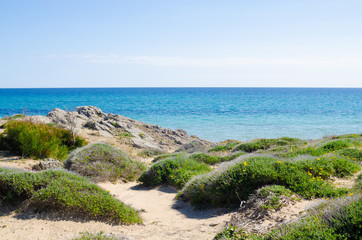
(211, 113)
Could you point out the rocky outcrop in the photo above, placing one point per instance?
(138, 134)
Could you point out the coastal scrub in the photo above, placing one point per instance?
(102, 162)
(232, 183)
(65, 193)
(38, 140)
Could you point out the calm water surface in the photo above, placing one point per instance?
(210, 113)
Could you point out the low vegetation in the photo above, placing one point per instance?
(264, 144)
(272, 195)
(175, 171)
(225, 147)
(212, 159)
(337, 219)
(98, 236)
(102, 162)
(234, 182)
(63, 192)
(38, 140)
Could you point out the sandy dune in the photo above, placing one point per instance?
(164, 218)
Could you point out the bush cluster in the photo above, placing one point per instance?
(221, 148)
(65, 192)
(340, 219)
(352, 153)
(38, 140)
(175, 171)
(212, 159)
(230, 184)
(264, 144)
(102, 162)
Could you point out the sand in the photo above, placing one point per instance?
(164, 218)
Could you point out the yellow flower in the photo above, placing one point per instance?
(245, 163)
(318, 159)
(279, 162)
(351, 194)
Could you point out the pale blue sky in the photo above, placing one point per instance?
(181, 43)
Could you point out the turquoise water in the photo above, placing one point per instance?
(210, 113)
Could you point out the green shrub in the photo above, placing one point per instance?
(263, 144)
(339, 219)
(221, 148)
(271, 195)
(335, 145)
(232, 233)
(212, 159)
(352, 153)
(358, 183)
(38, 140)
(102, 162)
(150, 153)
(175, 171)
(227, 185)
(125, 134)
(65, 192)
(165, 156)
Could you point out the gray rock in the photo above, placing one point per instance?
(90, 112)
(48, 163)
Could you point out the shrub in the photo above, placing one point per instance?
(102, 162)
(263, 144)
(64, 192)
(272, 195)
(230, 184)
(165, 156)
(232, 233)
(125, 134)
(351, 153)
(335, 145)
(358, 183)
(150, 152)
(221, 148)
(175, 171)
(38, 140)
(212, 159)
(339, 219)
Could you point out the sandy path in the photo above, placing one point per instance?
(164, 218)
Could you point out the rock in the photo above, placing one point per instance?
(141, 135)
(48, 163)
(90, 111)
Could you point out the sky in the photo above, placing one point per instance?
(180, 43)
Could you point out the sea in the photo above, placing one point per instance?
(215, 114)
